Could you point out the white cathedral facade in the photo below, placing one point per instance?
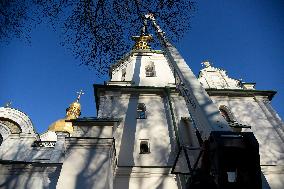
(132, 142)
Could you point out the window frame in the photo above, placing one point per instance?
(150, 70)
(123, 74)
(144, 142)
(141, 111)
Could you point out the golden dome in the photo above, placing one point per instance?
(72, 112)
(61, 125)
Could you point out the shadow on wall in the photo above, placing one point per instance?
(22, 170)
(93, 170)
(29, 175)
(125, 156)
(158, 129)
(162, 150)
(87, 161)
(89, 169)
(249, 113)
(137, 69)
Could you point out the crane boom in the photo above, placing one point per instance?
(228, 160)
(205, 113)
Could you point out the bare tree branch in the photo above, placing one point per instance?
(98, 32)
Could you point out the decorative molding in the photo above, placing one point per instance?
(89, 142)
(241, 93)
(13, 127)
(212, 77)
(48, 144)
(4, 131)
(272, 169)
(18, 117)
(18, 167)
(229, 112)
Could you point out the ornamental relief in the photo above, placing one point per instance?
(17, 121)
(4, 131)
(14, 127)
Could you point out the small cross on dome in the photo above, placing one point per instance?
(79, 95)
(206, 64)
(8, 104)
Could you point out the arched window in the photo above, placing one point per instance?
(123, 75)
(141, 111)
(225, 114)
(150, 70)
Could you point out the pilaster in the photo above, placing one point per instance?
(262, 102)
(59, 148)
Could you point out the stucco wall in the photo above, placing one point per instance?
(135, 70)
(145, 178)
(131, 130)
(84, 160)
(156, 129)
(87, 163)
(29, 175)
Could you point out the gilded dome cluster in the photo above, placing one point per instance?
(72, 112)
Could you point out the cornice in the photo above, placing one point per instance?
(240, 93)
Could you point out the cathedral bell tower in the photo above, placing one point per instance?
(137, 94)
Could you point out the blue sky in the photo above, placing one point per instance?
(246, 38)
